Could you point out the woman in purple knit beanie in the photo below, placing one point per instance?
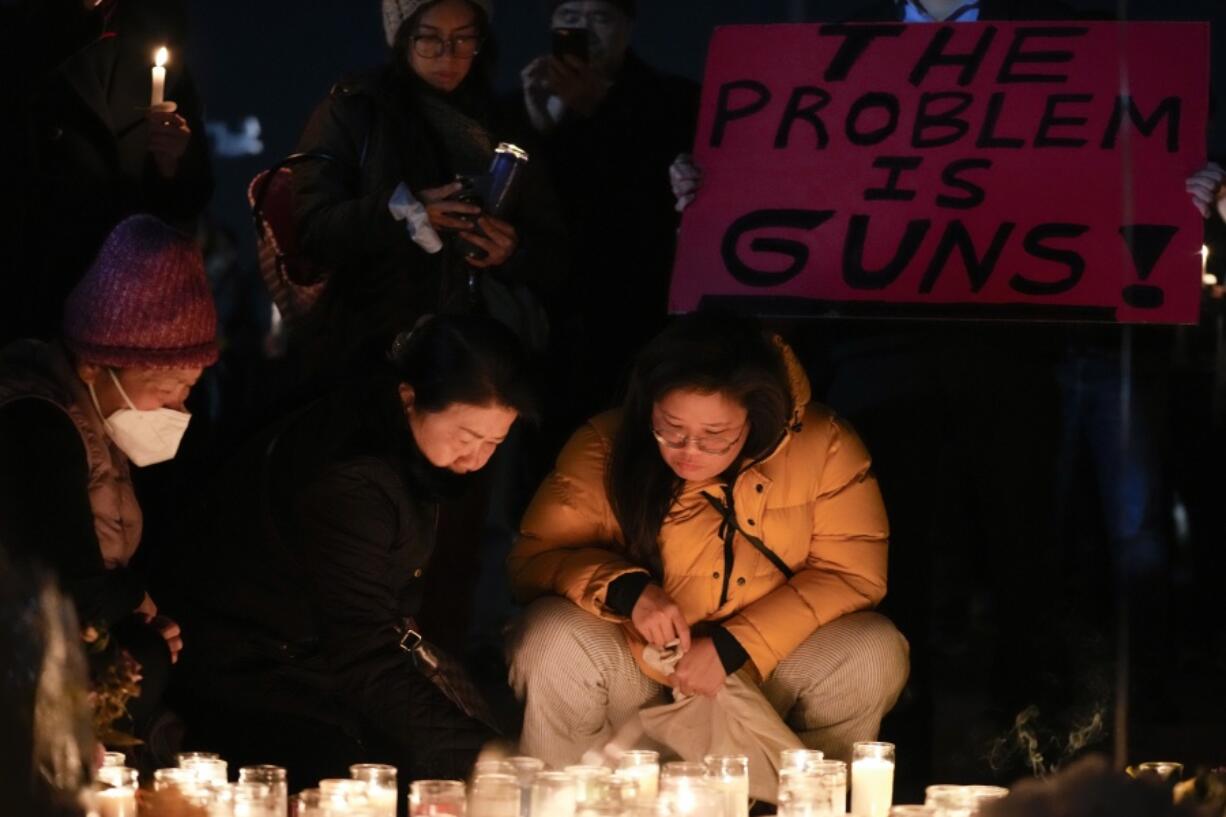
(76, 414)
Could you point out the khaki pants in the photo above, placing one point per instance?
(579, 682)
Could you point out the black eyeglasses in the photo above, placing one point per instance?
(432, 46)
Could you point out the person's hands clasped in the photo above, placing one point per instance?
(1206, 189)
(700, 672)
(685, 177)
(580, 87)
(658, 619)
(499, 242)
(445, 212)
(169, 135)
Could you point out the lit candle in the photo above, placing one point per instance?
(553, 795)
(729, 774)
(494, 795)
(118, 802)
(159, 77)
(380, 780)
(643, 767)
(872, 779)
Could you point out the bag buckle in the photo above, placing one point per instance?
(410, 640)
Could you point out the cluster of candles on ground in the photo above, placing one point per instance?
(809, 786)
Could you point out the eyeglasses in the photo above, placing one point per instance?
(707, 445)
(431, 46)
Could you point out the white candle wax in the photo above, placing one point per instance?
(382, 800)
(872, 787)
(117, 803)
(158, 95)
(736, 795)
(553, 803)
(648, 779)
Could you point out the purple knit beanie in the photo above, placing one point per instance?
(145, 302)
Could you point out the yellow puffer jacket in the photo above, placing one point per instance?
(813, 501)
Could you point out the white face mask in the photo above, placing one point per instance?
(147, 437)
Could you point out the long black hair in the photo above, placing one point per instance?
(465, 359)
(704, 352)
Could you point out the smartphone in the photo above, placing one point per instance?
(571, 42)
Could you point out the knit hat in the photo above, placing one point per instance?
(145, 302)
(629, 7)
(395, 12)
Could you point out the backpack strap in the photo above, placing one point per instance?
(727, 510)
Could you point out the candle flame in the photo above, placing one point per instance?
(161, 57)
(1204, 252)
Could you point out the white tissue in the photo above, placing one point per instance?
(404, 207)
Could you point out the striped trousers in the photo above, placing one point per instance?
(579, 682)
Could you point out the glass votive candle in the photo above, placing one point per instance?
(872, 779)
(805, 795)
(115, 801)
(494, 795)
(799, 758)
(345, 796)
(682, 768)
(484, 767)
(950, 801)
(980, 796)
(730, 774)
(834, 775)
(119, 777)
(272, 776)
(526, 769)
(643, 767)
(114, 759)
(591, 783)
(912, 811)
(183, 757)
(206, 769)
(431, 798)
(683, 795)
(309, 803)
(1163, 771)
(253, 799)
(553, 795)
(624, 789)
(172, 777)
(380, 780)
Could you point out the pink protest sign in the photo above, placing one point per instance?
(1021, 170)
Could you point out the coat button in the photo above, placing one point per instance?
(751, 522)
(417, 573)
(741, 581)
(715, 575)
(759, 488)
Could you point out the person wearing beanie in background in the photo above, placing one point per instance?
(88, 149)
(380, 209)
(77, 413)
(610, 126)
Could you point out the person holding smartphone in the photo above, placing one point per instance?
(609, 125)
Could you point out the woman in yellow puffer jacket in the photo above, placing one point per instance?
(721, 509)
